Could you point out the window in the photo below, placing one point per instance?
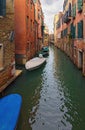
(74, 11)
(80, 29)
(69, 10)
(11, 36)
(2, 7)
(31, 4)
(27, 1)
(58, 24)
(80, 4)
(1, 56)
(64, 5)
(31, 25)
(73, 31)
(61, 34)
(27, 21)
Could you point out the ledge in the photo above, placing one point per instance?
(17, 73)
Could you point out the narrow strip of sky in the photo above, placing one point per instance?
(50, 8)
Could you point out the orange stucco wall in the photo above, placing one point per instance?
(24, 28)
(20, 27)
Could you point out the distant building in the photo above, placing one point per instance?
(46, 35)
(39, 24)
(7, 46)
(57, 27)
(56, 17)
(40, 18)
(51, 38)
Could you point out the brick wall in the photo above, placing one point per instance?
(6, 27)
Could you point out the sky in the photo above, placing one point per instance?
(50, 8)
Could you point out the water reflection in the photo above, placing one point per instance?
(51, 107)
(53, 96)
(28, 86)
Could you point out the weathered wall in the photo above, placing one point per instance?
(6, 27)
(24, 31)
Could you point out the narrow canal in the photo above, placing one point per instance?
(53, 96)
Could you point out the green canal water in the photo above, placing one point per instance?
(53, 96)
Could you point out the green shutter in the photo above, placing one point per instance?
(80, 4)
(74, 11)
(2, 7)
(73, 31)
(65, 32)
(80, 29)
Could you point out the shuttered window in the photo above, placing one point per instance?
(2, 7)
(64, 4)
(69, 10)
(65, 32)
(80, 29)
(80, 4)
(73, 31)
(74, 11)
(58, 24)
(61, 34)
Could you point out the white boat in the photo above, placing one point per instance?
(35, 63)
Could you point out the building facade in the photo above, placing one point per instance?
(58, 29)
(7, 47)
(46, 35)
(28, 29)
(72, 26)
(56, 17)
(24, 30)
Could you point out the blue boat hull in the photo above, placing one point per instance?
(9, 111)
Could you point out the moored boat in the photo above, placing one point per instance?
(44, 51)
(35, 63)
(10, 106)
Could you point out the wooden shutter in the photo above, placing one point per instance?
(80, 29)
(74, 11)
(73, 29)
(80, 4)
(69, 10)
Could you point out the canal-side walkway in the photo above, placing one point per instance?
(17, 73)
